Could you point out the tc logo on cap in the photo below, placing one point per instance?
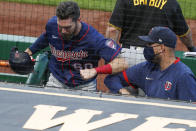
(160, 40)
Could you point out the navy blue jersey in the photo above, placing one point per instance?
(81, 52)
(175, 82)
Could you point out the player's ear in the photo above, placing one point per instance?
(149, 44)
(163, 48)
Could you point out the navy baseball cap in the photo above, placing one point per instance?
(161, 35)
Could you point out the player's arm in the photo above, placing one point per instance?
(128, 81)
(114, 84)
(117, 65)
(39, 44)
(188, 42)
(28, 51)
(109, 50)
(116, 21)
(113, 33)
(117, 83)
(180, 26)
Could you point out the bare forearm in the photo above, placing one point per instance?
(187, 40)
(28, 51)
(115, 66)
(112, 33)
(118, 65)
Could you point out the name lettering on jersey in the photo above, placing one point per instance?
(80, 120)
(68, 55)
(152, 3)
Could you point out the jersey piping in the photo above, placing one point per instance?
(127, 80)
(73, 81)
(177, 60)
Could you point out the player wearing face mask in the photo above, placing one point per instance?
(162, 75)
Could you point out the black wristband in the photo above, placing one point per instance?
(192, 49)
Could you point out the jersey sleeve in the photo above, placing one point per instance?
(118, 14)
(39, 44)
(108, 49)
(186, 87)
(176, 18)
(114, 83)
(134, 75)
(130, 77)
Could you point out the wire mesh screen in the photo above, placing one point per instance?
(23, 21)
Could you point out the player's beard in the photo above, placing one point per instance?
(69, 36)
(150, 55)
(157, 59)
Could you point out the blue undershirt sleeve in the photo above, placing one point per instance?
(108, 49)
(115, 82)
(130, 77)
(40, 43)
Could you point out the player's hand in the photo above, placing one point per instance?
(192, 49)
(88, 73)
(124, 91)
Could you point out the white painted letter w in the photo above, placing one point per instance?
(78, 121)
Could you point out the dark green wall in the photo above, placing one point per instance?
(5, 47)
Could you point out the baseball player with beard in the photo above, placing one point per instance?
(76, 46)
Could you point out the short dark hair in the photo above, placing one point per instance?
(68, 9)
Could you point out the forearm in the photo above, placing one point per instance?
(28, 51)
(113, 83)
(117, 84)
(115, 66)
(187, 40)
(113, 33)
(118, 65)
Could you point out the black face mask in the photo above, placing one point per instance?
(149, 53)
(151, 56)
